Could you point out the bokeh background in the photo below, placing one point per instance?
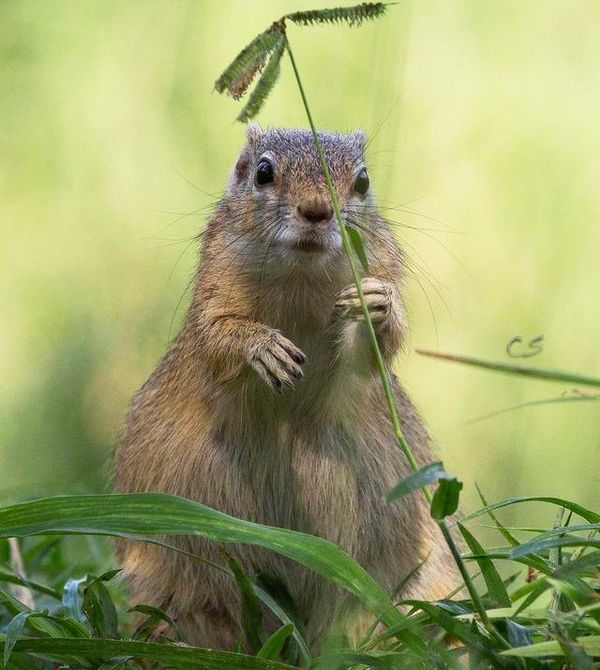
(484, 120)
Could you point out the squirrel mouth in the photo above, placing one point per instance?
(310, 242)
(309, 245)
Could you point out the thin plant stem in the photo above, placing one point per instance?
(383, 372)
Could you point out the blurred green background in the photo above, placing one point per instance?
(485, 130)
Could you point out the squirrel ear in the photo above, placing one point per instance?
(253, 133)
(360, 139)
(242, 166)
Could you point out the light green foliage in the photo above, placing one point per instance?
(108, 636)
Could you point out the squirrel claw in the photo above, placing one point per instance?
(277, 361)
(378, 296)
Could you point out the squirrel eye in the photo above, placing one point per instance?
(361, 185)
(264, 172)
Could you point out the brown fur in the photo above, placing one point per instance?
(317, 456)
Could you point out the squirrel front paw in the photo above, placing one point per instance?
(379, 296)
(276, 360)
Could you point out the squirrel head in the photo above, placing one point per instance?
(277, 188)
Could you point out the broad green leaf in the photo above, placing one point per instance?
(417, 480)
(445, 498)
(358, 246)
(176, 655)
(493, 581)
(136, 514)
(274, 644)
(590, 644)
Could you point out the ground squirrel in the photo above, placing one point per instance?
(268, 405)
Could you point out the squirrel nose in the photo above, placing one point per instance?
(315, 211)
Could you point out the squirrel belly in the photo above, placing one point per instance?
(268, 405)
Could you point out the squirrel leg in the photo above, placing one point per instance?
(387, 313)
(237, 342)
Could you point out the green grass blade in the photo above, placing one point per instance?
(455, 627)
(251, 609)
(537, 373)
(581, 564)
(580, 397)
(33, 585)
(14, 630)
(511, 539)
(494, 583)
(100, 610)
(358, 246)
(590, 644)
(274, 644)
(417, 480)
(173, 655)
(159, 513)
(287, 619)
(445, 498)
(154, 616)
(588, 515)
(552, 543)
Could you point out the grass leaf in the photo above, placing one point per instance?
(551, 543)
(584, 513)
(251, 609)
(537, 373)
(590, 644)
(445, 498)
(136, 514)
(274, 644)
(14, 630)
(493, 581)
(100, 610)
(358, 246)
(417, 480)
(177, 655)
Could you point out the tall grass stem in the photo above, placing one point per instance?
(383, 372)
